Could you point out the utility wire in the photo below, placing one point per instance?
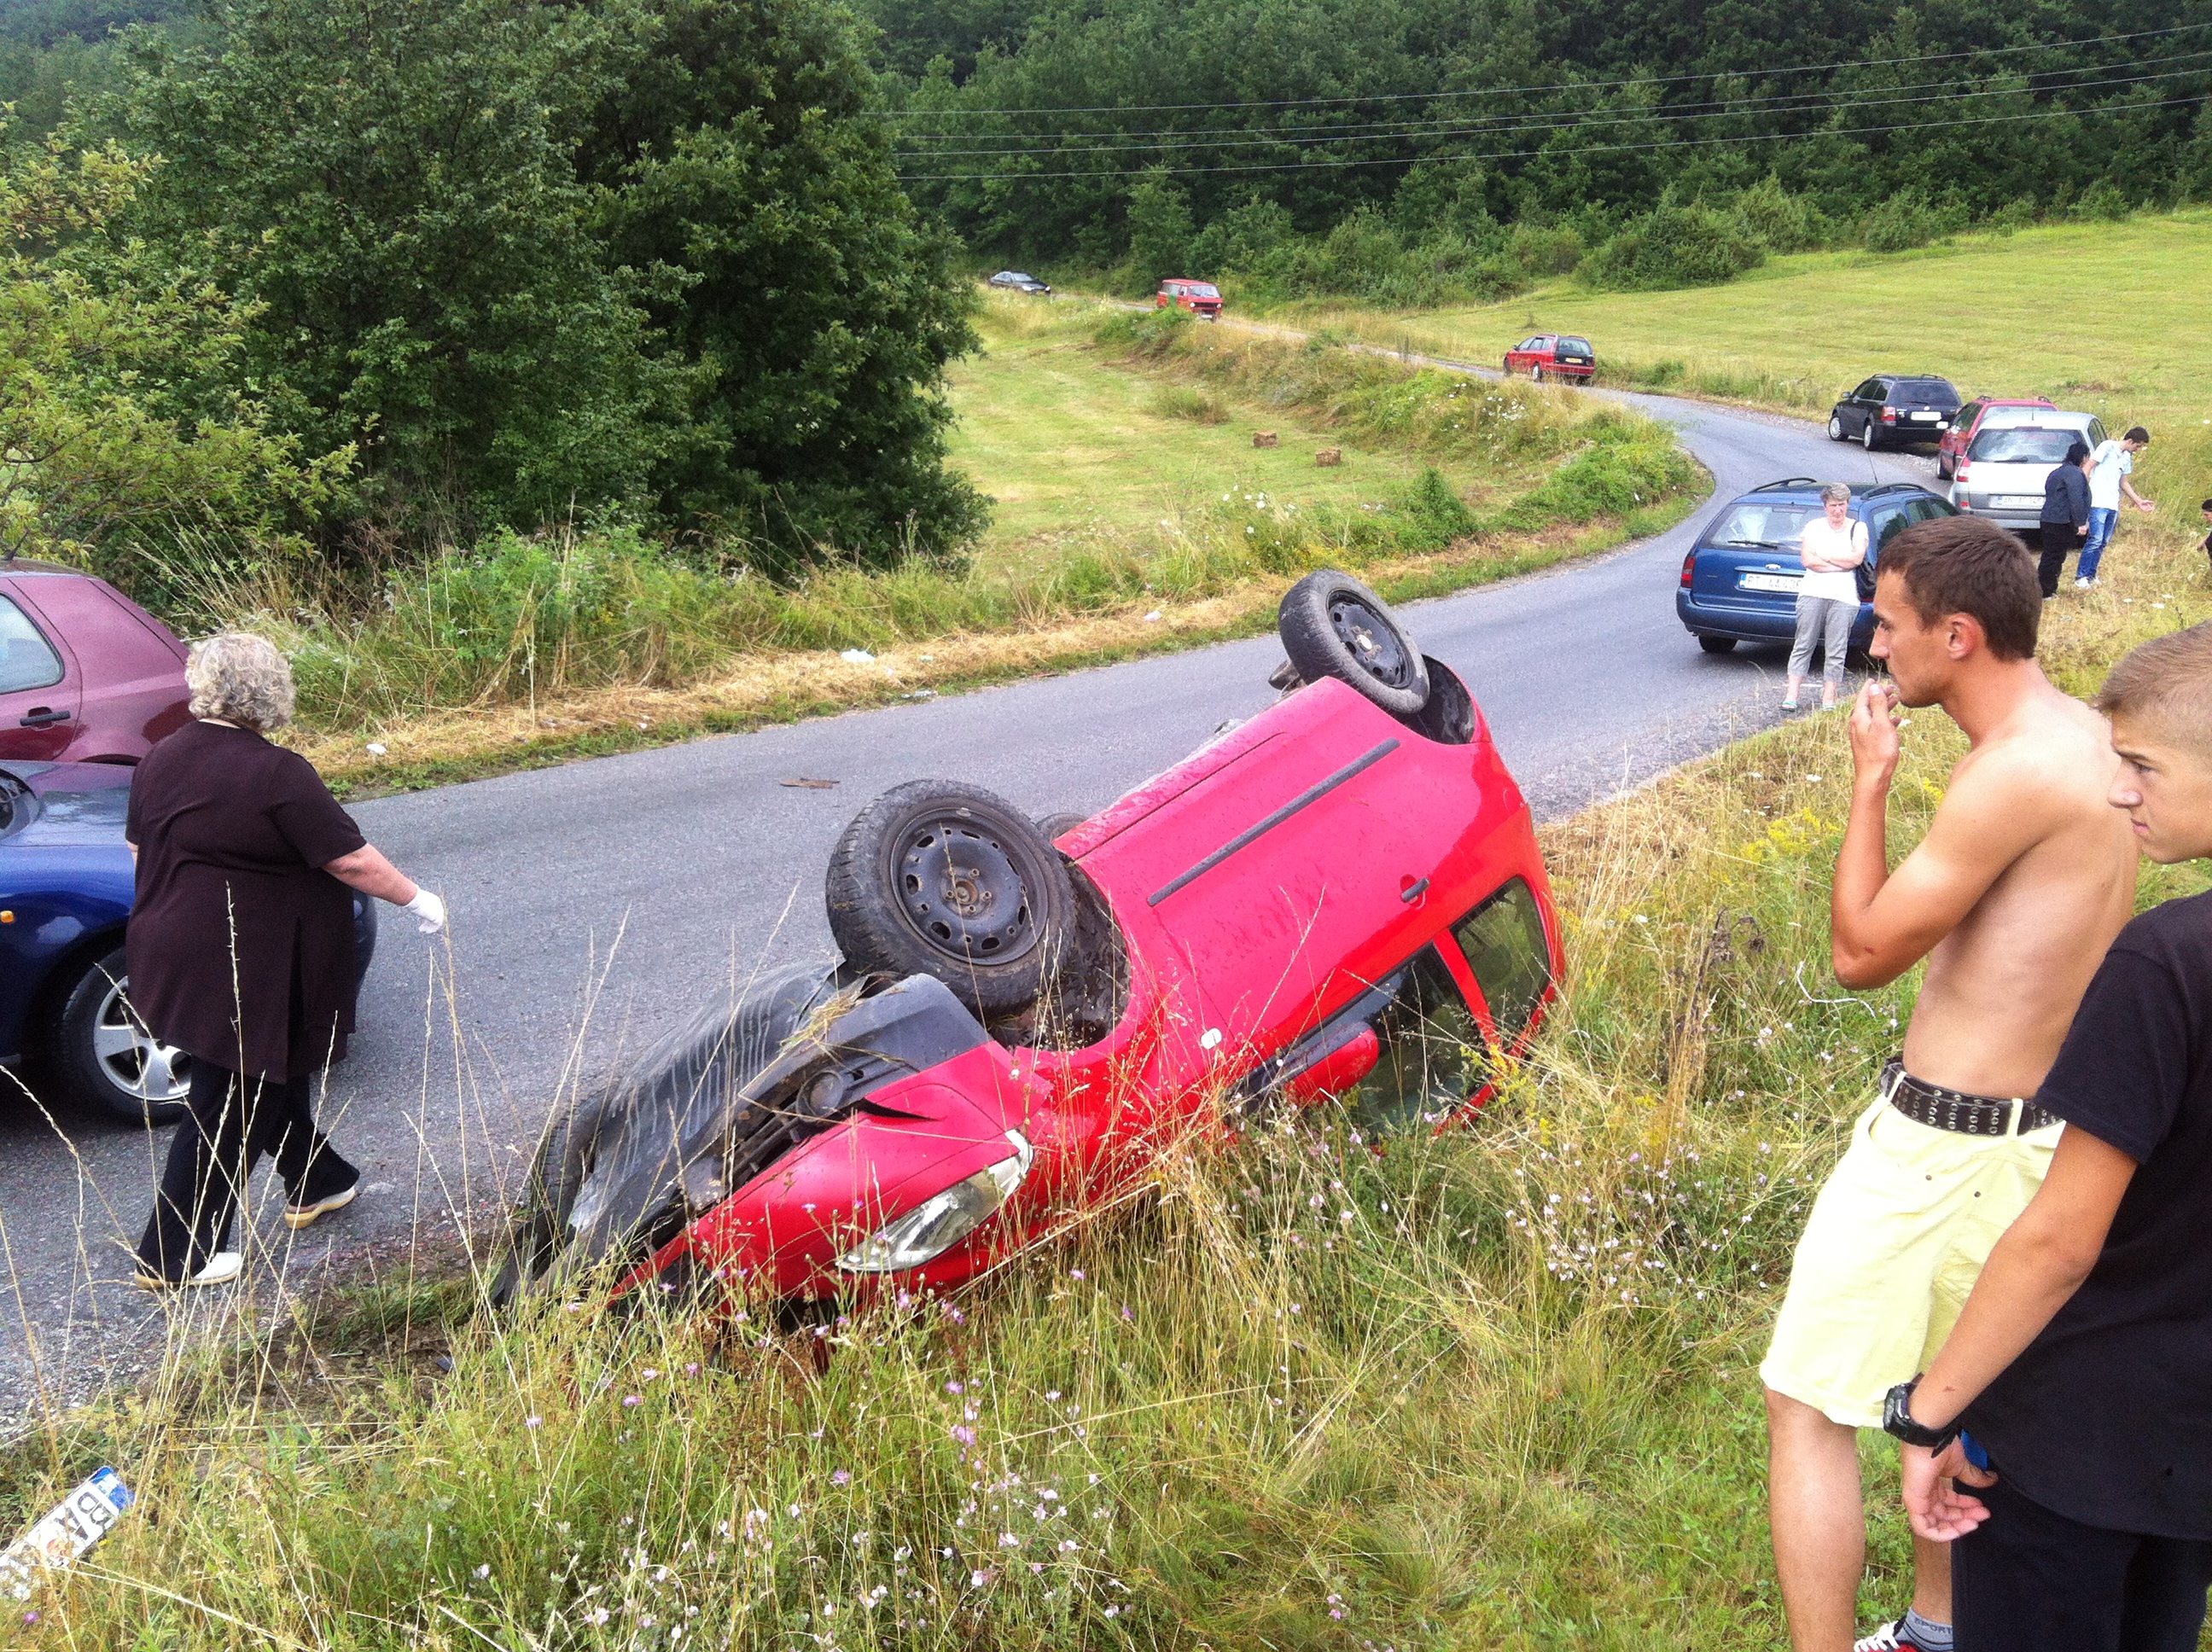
(1522, 155)
(1549, 122)
(1717, 105)
(1568, 86)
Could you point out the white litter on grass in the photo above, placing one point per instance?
(1154, 615)
(857, 657)
(54, 1544)
(375, 750)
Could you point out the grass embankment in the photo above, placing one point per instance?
(539, 650)
(1495, 1389)
(2108, 318)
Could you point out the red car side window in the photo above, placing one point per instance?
(27, 660)
(1504, 942)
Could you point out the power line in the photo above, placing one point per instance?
(1521, 155)
(1569, 86)
(1550, 122)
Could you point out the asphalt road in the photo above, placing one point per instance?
(593, 904)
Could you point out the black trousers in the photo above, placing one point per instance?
(232, 1124)
(2027, 1579)
(2060, 540)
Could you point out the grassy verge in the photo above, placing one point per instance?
(534, 650)
(2098, 316)
(1494, 1388)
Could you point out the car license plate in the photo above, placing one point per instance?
(2016, 502)
(1769, 581)
(1574, 361)
(77, 1522)
(1925, 418)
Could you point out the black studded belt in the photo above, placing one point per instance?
(1957, 1110)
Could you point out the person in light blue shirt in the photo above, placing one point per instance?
(2109, 469)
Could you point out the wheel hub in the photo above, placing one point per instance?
(134, 1061)
(1373, 643)
(960, 890)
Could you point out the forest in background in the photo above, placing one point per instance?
(1414, 152)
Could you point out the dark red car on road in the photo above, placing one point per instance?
(1201, 298)
(86, 675)
(1551, 355)
(1983, 410)
(1340, 899)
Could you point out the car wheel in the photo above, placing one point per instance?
(937, 879)
(1835, 427)
(1056, 827)
(1866, 434)
(102, 1056)
(1717, 645)
(1332, 626)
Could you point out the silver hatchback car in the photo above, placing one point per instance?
(2000, 478)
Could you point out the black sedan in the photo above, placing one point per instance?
(1015, 282)
(1892, 410)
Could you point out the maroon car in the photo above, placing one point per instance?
(86, 675)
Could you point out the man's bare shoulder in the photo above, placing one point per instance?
(2054, 754)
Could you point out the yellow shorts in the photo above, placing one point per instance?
(1895, 1241)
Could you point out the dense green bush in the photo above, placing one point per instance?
(1909, 219)
(1674, 244)
(535, 258)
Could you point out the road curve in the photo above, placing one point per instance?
(595, 902)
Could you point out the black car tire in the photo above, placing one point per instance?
(1866, 433)
(1717, 645)
(98, 1049)
(1059, 825)
(1835, 427)
(1332, 626)
(938, 879)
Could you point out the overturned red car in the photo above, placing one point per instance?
(1340, 899)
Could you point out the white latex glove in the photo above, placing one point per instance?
(429, 908)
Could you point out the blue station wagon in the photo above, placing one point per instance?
(1739, 581)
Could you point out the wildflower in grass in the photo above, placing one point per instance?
(843, 1477)
(533, 1422)
(629, 1400)
(962, 1433)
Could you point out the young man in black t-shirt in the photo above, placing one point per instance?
(2082, 1365)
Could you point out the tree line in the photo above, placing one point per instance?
(1415, 151)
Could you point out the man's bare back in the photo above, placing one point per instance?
(2025, 875)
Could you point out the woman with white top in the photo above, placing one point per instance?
(1831, 548)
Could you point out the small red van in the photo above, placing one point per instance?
(1201, 298)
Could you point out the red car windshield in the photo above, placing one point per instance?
(1200, 289)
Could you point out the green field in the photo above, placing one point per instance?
(1075, 445)
(2108, 317)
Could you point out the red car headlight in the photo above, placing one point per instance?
(942, 1221)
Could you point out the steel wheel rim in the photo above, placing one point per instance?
(131, 1059)
(961, 892)
(1371, 642)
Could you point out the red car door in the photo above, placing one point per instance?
(129, 668)
(39, 688)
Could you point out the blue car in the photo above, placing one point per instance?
(1740, 580)
(66, 881)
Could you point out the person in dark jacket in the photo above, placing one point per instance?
(240, 950)
(2065, 516)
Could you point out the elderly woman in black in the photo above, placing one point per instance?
(241, 953)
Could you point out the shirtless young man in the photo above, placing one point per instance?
(2025, 876)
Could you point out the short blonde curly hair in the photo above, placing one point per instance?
(241, 678)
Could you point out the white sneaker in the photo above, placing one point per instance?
(1890, 1637)
(2083, 584)
(221, 1268)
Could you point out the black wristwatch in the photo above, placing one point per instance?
(1897, 1419)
